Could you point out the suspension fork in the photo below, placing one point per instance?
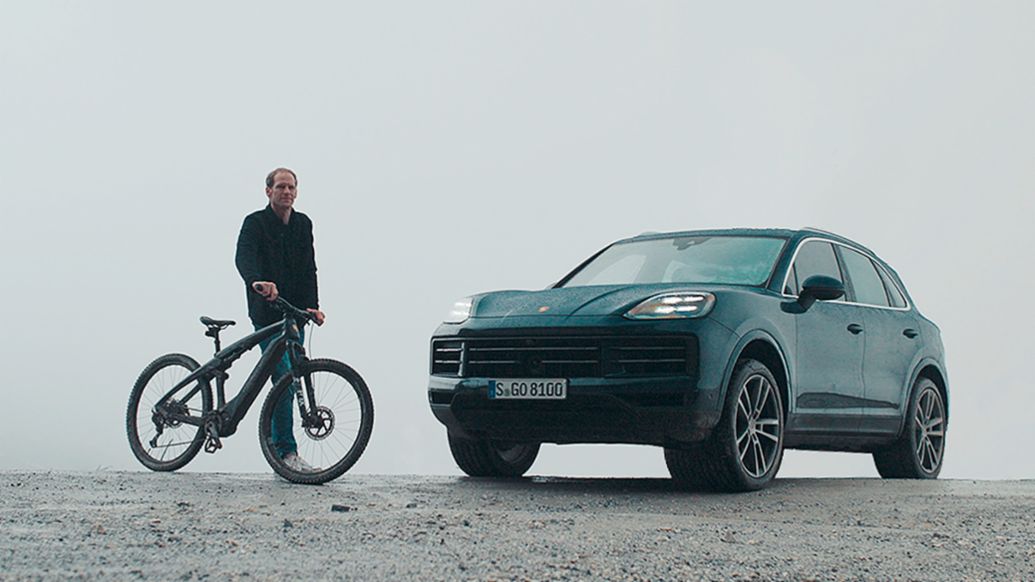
(305, 396)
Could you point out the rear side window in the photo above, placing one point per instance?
(816, 258)
(867, 284)
(897, 300)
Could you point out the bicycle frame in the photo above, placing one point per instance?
(227, 415)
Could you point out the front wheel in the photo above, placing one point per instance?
(159, 442)
(327, 417)
(745, 448)
(489, 458)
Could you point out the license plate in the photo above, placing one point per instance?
(527, 389)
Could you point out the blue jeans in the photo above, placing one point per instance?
(281, 429)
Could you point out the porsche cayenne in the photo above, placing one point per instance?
(724, 347)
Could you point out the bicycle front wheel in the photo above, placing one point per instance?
(328, 430)
(158, 442)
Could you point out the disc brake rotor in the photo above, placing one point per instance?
(321, 423)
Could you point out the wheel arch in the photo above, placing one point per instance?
(930, 368)
(932, 371)
(763, 347)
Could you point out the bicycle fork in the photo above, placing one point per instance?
(305, 400)
(300, 400)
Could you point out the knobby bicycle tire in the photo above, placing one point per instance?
(344, 405)
(158, 378)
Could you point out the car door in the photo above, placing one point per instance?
(892, 340)
(828, 355)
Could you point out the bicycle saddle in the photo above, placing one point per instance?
(216, 323)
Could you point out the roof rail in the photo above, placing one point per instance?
(814, 229)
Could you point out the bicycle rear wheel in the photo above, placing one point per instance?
(333, 436)
(178, 442)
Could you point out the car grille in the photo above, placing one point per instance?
(564, 357)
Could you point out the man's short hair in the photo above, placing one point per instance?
(272, 176)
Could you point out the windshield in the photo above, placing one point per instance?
(724, 260)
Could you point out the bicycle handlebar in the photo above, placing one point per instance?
(281, 305)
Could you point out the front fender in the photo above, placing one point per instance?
(742, 342)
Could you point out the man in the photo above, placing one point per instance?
(275, 257)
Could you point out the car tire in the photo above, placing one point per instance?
(920, 449)
(745, 449)
(489, 458)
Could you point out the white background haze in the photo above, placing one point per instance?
(449, 148)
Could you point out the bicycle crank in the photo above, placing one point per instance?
(212, 442)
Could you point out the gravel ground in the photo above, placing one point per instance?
(61, 525)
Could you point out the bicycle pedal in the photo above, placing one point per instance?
(212, 442)
(212, 445)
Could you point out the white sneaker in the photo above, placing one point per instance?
(297, 464)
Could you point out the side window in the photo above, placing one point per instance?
(816, 258)
(867, 284)
(897, 300)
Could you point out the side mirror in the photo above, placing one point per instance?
(820, 288)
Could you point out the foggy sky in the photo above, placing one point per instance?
(450, 148)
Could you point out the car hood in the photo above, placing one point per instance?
(572, 301)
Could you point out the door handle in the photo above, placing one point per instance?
(910, 333)
(855, 328)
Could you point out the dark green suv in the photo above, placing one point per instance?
(724, 347)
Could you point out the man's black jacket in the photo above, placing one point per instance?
(269, 250)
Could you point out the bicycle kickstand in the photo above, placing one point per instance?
(212, 442)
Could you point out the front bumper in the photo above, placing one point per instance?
(604, 404)
(655, 411)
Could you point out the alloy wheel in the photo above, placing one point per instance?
(758, 426)
(929, 427)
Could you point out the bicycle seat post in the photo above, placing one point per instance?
(213, 327)
(213, 332)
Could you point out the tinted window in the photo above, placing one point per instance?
(897, 300)
(867, 284)
(731, 260)
(816, 258)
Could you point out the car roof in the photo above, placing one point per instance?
(787, 233)
(773, 232)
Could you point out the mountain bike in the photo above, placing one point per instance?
(171, 414)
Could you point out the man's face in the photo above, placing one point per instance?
(282, 194)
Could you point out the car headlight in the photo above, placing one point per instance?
(681, 304)
(461, 311)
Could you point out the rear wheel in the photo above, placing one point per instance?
(330, 437)
(745, 449)
(918, 452)
(492, 458)
(161, 443)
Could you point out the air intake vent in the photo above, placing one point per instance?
(446, 357)
(565, 357)
(648, 356)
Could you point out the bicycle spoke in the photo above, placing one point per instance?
(171, 445)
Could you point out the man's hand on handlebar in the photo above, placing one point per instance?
(267, 289)
(318, 316)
